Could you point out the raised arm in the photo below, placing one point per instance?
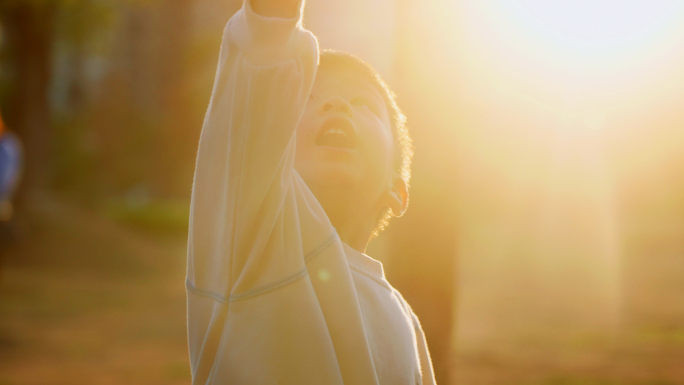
(246, 151)
(240, 242)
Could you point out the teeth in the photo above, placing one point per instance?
(336, 131)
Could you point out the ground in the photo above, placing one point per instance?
(84, 300)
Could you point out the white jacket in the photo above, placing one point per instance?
(274, 296)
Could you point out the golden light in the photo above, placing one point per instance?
(572, 110)
(575, 43)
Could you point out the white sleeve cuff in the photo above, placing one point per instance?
(268, 40)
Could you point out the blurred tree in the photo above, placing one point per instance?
(180, 124)
(149, 117)
(133, 126)
(31, 28)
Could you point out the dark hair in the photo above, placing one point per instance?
(337, 60)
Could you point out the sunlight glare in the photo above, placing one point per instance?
(576, 43)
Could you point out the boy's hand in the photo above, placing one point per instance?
(285, 9)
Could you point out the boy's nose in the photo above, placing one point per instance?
(337, 104)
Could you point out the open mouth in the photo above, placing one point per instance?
(337, 132)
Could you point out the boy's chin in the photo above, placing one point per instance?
(331, 176)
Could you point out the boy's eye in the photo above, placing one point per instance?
(363, 102)
(360, 102)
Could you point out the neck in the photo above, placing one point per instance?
(354, 231)
(351, 221)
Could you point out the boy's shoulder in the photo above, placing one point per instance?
(379, 281)
(405, 305)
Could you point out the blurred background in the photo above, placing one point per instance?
(544, 243)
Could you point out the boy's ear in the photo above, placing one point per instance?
(399, 196)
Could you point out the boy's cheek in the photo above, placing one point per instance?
(378, 147)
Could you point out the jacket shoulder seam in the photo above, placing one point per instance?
(269, 287)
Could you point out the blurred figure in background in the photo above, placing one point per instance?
(10, 174)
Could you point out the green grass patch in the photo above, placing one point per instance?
(155, 216)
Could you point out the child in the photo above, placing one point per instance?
(293, 177)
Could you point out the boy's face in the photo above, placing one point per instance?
(345, 142)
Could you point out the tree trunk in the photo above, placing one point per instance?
(29, 37)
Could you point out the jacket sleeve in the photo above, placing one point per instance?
(246, 152)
